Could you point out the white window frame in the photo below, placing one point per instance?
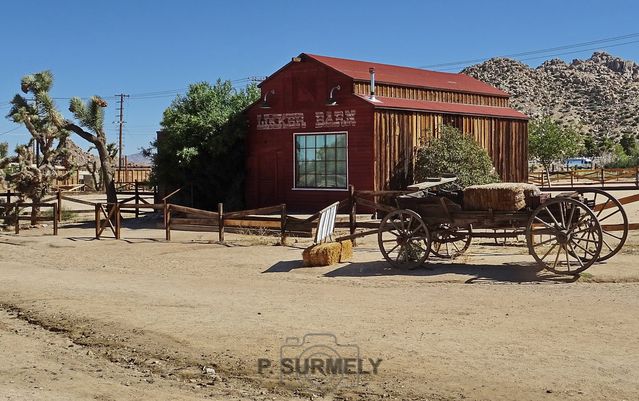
(295, 134)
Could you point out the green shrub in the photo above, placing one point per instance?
(456, 153)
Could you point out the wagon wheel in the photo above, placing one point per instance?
(611, 216)
(404, 239)
(449, 242)
(564, 236)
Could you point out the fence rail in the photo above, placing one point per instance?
(602, 177)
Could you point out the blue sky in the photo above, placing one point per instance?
(141, 47)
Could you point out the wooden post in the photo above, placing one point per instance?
(167, 221)
(118, 220)
(572, 178)
(542, 179)
(602, 177)
(137, 200)
(165, 211)
(8, 196)
(97, 220)
(283, 219)
(220, 221)
(17, 221)
(55, 218)
(352, 215)
(59, 208)
(637, 176)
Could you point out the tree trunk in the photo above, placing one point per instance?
(106, 169)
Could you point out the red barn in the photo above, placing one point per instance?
(324, 123)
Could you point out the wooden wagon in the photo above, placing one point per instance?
(564, 234)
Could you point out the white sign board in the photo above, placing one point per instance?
(326, 224)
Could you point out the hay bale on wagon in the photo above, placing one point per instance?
(503, 196)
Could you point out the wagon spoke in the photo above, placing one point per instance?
(587, 240)
(554, 265)
(603, 207)
(612, 235)
(562, 212)
(606, 244)
(544, 223)
(586, 251)
(391, 251)
(544, 242)
(581, 263)
(552, 217)
(567, 258)
(548, 253)
(572, 214)
(611, 214)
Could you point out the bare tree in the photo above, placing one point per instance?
(90, 116)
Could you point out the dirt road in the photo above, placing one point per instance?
(144, 319)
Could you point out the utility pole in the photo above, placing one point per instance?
(121, 124)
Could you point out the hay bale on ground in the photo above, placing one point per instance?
(327, 254)
(504, 196)
(346, 252)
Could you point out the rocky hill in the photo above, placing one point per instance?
(600, 94)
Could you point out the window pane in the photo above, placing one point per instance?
(310, 154)
(330, 140)
(320, 161)
(330, 181)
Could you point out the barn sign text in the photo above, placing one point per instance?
(323, 119)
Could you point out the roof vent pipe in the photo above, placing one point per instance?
(372, 72)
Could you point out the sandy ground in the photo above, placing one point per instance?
(83, 319)
(143, 319)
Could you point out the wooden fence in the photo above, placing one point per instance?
(123, 176)
(603, 177)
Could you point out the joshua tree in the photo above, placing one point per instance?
(35, 176)
(90, 115)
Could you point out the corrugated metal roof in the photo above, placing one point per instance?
(441, 107)
(407, 76)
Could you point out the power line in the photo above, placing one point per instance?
(11, 130)
(558, 54)
(547, 50)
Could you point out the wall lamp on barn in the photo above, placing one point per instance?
(265, 104)
(331, 96)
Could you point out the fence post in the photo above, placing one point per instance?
(137, 200)
(17, 221)
(55, 219)
(8, 196)
(97, 220)
(602, 177)
(220, 221)
(572, 178)
(167, 221)
(352, 215)
(283, 219)
(165, 209)
(637, 176)
(59, 208)
(118, 220)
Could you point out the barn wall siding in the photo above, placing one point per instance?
(363, 88)
(398, 134)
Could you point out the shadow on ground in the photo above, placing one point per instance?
(457, 272)
(507, 273)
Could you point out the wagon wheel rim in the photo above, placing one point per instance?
(449, 242)
(404, 239)
(610, 214)
(564, 236)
